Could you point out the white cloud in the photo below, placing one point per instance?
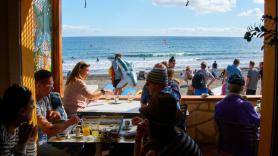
(258, 1)
(256, 12)
(206, 31)
(202, 6)
(79, 30)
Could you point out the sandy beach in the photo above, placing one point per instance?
(102, 79)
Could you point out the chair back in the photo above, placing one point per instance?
(235, 138)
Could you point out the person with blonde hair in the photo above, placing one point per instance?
(77, 95)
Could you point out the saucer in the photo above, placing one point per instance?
(77, 137)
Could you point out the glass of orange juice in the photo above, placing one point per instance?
(86, 130)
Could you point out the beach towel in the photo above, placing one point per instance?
(132, 91)
(108, 86)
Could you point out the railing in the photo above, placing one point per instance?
(200, 121)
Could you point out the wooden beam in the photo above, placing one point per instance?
(269, 87)
(57, 46)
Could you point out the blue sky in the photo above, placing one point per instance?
(159, 17)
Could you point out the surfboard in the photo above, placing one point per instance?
(128, 71)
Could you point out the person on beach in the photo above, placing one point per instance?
(172, 62)
(223, 88)
(158, 124)
(214, 69)
(252, 79)
(117, 76)
(17, 135)
(231, 70)
(188, 74)
(77, 95)
(234, 108)
(47, 118)
(202, 80)
(261, 75)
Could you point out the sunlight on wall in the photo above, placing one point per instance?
(27, 48)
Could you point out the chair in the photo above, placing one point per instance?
(129, 90)
(237, 139)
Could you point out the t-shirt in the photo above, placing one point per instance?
(254, 77)
(42, 107)
(207, 74)
(180, 145)
(214, 65)
(10, 146)
(233, 108)
(76, 96)
(232, 70)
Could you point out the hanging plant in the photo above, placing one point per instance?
(269, 34)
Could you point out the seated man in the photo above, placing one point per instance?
(159, 126)
(46, 116)
(234, 108)
(17, 136)
(157, 81)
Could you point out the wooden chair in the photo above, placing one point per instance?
(237, 139)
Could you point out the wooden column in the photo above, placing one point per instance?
(27, 47)
(269, 88)
(57, 46)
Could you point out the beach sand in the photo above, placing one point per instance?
(102, 80)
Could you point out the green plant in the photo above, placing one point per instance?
(270, 33)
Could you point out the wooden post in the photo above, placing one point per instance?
(269, 87)
(57, 46)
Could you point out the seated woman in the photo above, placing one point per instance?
(77, 94)
(17, 136)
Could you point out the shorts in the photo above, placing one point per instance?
(116, 82)
(201, 91)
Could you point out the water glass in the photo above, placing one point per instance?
(129, 97)
(86, 130)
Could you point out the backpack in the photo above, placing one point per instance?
(198, 81)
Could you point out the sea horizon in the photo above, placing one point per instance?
(144, 51)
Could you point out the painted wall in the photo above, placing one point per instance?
(43, 34)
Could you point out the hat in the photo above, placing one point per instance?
(158, 75)
(236, 80)
(162, 109)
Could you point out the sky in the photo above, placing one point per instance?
(159, 17)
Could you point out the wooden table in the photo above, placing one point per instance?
(96, 140)
(103, 107)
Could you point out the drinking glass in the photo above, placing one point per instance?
(86, 130)
(129, 97)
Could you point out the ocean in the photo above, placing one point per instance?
(144, 52)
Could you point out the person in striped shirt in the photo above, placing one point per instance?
(17, 136)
